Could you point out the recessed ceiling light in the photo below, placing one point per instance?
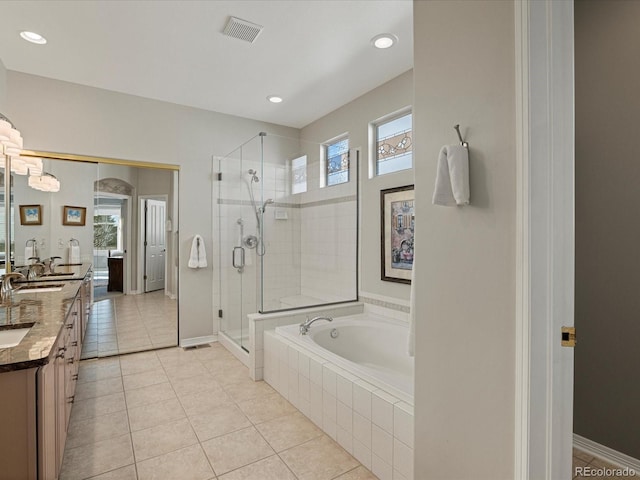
(33, 37)
(384, 40)
(274, 99)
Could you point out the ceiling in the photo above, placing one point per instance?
(316, 54)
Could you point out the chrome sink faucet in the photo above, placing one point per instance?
(50, 263)
(6, 287)
(35, 270)
(306, 325)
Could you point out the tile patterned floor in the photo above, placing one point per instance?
(582, 459)
(131, 323)
(192, 415)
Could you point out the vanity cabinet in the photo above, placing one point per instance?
(36, 406)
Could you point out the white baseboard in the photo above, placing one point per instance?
(605, 453)
(195, 341)
(234, 348)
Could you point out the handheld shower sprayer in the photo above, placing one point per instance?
(254, 175)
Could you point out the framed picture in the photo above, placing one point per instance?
(397, 227)
(74, 216)
(30, 214)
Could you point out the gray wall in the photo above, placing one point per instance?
(64, 117)
(3, 86)
(607, 302)
(465, 309)
(354, 118)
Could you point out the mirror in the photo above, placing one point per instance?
(129, 235)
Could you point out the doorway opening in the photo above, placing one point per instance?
(111, 224)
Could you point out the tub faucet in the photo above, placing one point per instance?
(35, 270)
(306, 325)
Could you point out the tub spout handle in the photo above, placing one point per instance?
(306, 325)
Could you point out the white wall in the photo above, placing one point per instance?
(63, 117)
(465, 309)
(354, 118)
(53, 237)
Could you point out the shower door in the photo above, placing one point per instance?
(238, 239)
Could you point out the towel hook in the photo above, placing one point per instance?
(74, 241)
(462, 142)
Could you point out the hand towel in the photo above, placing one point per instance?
(198, 255)
(74, 254)
(28, 253)
(452, 176)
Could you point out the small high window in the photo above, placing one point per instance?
(394, 146)
(299, 174)
(337, 161)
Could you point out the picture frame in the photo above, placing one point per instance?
(30, 214)
(74, 216)
(397, 229)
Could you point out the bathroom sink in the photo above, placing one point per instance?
(38, 288)
(12, 335)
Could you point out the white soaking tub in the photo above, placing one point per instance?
(369, 346)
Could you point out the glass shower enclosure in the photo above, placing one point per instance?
(286, 238)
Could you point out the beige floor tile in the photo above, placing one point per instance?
(228, 376)
(94, 407)
(189, 463)
(203, 402)
(582, 455)
(148, 395)
(318, 459)
(148, 416)
(163, 439)
(271, 468)
(124, 473)
(359, 473)
(99, 388)
(236, 450)
(134, 342)
(221, 421)
(288, 431)
(577, 466)
(95, 458)
(248, 390)
(266, 408)
(199, 384)
(94, 370)
(95, 429)
(224, 366)
(106, 346)
(144, 379)
(139, 362)
(192, 369)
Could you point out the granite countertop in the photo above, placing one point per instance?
(48, 312)
(65, 271)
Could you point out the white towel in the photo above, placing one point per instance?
(74, 254)
(28, 253)
(452, 177)
(198, 256)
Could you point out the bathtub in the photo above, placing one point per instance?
(369, 346)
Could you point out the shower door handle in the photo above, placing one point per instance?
(237, 258)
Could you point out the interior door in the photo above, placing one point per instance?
(154, 245)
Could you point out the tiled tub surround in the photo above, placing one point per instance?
(259, 323)
(369, 422)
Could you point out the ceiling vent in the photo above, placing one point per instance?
(241, 29)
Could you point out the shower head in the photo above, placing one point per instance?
(254, 175)
(266, 202)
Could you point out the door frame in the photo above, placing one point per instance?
(127, 237)
(545, 248)
(141, 236)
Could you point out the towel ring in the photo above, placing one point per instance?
(462, 142)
